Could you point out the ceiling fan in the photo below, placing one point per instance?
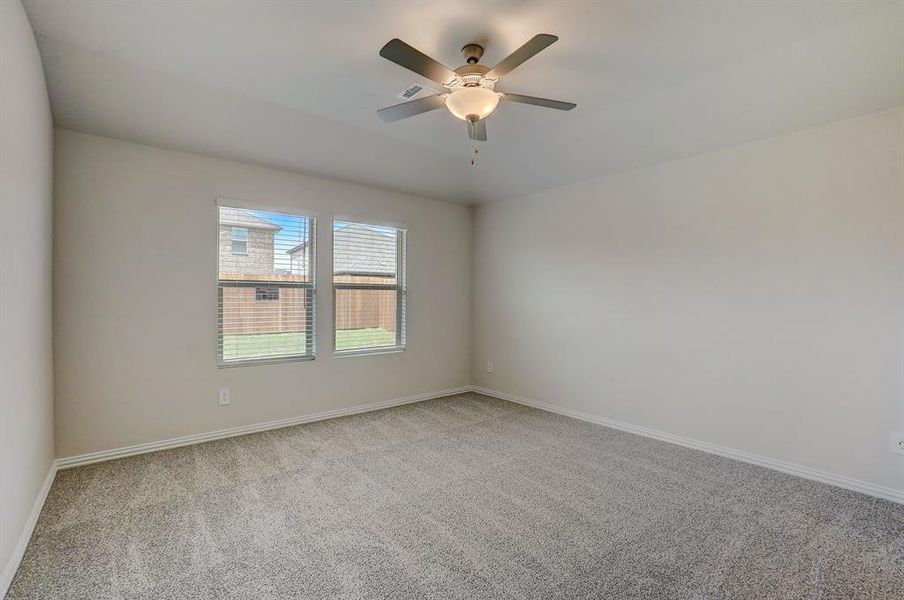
(469, 92)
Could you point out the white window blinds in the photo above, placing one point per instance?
(266, 286)
(369, 287)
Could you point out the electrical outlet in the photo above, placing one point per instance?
(223, 398)
(897, 442)
(489, 366)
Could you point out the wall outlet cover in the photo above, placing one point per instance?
(489, 366)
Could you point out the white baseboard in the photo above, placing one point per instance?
(12, 564)
(816, 475)
(778, 465)
(187, 440)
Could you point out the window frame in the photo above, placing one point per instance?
(400, 286)
(310, 286)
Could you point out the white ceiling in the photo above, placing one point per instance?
(296, 85)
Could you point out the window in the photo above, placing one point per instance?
(240, 240)
(266, 290)
(262, 294)
(369, 287)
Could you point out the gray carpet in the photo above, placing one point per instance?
(465, 497)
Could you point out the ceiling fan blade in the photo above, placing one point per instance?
(414, 60)
(477, 130)
(391, 114)
(557, 104)
(530, 48)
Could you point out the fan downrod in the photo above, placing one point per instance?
(472, 53)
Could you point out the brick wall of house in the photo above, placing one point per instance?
(259, 258)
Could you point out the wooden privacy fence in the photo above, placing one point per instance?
(243, 312)
(277, 309)
(357, 309)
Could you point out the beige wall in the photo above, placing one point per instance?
(136, 297)
(752, 297)
(26, 372)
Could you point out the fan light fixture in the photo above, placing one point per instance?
(472, 103)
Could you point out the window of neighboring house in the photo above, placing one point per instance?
(266, 293)
(369, 288)
(265, 307)
(239, 240)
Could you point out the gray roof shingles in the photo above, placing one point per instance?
(237, 217)
(379, 255)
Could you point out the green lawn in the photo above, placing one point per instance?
(349, 339)
(260, 345)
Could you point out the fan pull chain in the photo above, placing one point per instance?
(474, 155)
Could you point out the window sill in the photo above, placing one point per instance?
(368, 352)
(264, 361)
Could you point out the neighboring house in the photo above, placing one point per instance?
(298, 259)
(380, 262)
(247, 253)
(364, 308)
(246, 243)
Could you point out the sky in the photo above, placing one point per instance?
(294, 231)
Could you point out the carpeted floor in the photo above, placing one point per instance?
(466, 497)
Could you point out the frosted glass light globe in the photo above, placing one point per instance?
(472, 103)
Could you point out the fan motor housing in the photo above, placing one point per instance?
(472, 69)
(472, 53)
